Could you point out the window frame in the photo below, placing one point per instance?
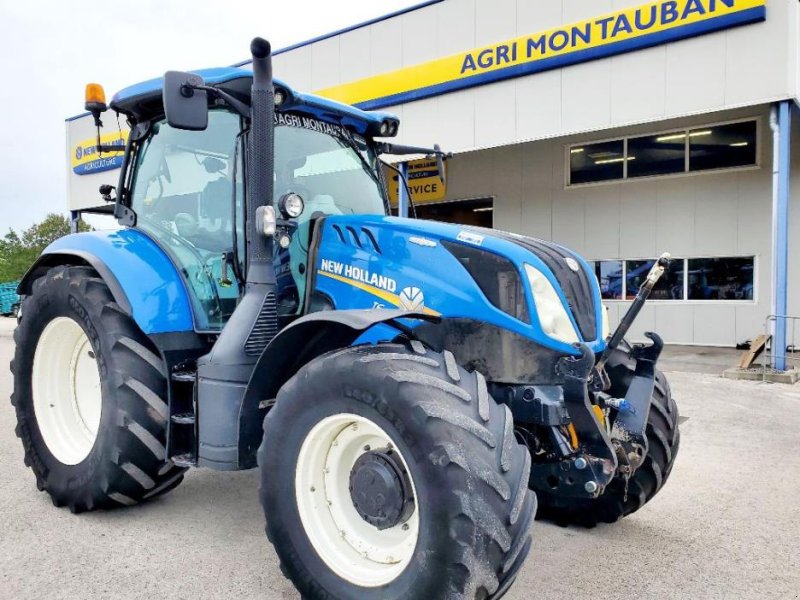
(685, 300)
(673, 130)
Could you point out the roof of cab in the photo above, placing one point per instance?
(126, 99)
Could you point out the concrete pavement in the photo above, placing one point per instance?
(727, 524)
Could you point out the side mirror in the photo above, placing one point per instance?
(185, 106)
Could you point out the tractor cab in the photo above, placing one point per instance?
(187, 189)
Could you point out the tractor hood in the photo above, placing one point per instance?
(533, 288)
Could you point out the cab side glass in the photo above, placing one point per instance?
(183, 195)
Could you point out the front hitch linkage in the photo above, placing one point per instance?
(599, 380)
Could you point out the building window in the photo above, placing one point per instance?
(673, 152)
(609, 275)
(669, 287)
(723, 278)
(721, 147)
(720, 279)
(597, 162)
(657, 155)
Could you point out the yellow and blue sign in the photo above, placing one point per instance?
(87, 160)
(622, 31)
(424, 181)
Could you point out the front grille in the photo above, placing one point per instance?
(265, 328)
(576, 285)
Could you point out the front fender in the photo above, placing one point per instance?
(296, 345)
(141, 277)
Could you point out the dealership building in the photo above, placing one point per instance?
(619, 129)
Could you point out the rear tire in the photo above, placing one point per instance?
(473, 509)
(92, 448)
(663, 438)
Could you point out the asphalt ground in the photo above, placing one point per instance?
(727, 525)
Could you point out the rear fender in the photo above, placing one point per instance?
(141, 277)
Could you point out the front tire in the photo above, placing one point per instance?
(89, 393)
(467, 533)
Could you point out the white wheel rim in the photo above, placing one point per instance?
(67, 398)
(353, 549)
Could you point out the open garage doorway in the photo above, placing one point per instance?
(478, 212)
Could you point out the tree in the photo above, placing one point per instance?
(19, 251)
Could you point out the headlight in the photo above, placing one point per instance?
(291, 205)
(551, 312)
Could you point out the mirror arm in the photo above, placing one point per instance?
(400, 149)
(240, 107)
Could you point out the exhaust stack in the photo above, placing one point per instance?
(262, 155)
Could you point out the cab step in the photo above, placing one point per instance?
(184, 419)
(184, 460)
(184, 376)
(182, 433)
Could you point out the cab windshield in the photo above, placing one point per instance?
(188, 194)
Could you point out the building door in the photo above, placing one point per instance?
(477, 212)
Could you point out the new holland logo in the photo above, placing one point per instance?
(572, 264)
(412, 298)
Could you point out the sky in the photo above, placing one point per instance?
(50, 49)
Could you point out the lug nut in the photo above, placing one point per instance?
(590, 487)
(581, 464)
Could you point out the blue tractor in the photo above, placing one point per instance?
(404, 386)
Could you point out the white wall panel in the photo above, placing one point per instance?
(569, 219)
(638, 85)
(456, 123)
(714, 324)
(495, 114)
(495, 21)
(538, 181)
(420, 29)
(386, 44)
(638, 217)
(604, 229)
(674, 323)
(758, 64)
(538, 105)
(675, 216)
(586, 96)
(325, 63)
(538, 16)
(420, 124)
(295, 68)
(456, 26)
(716, 223)
(577, 10)
(695, 74)
(354, 55)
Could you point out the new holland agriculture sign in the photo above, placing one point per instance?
(623, 31)
(86, 160)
